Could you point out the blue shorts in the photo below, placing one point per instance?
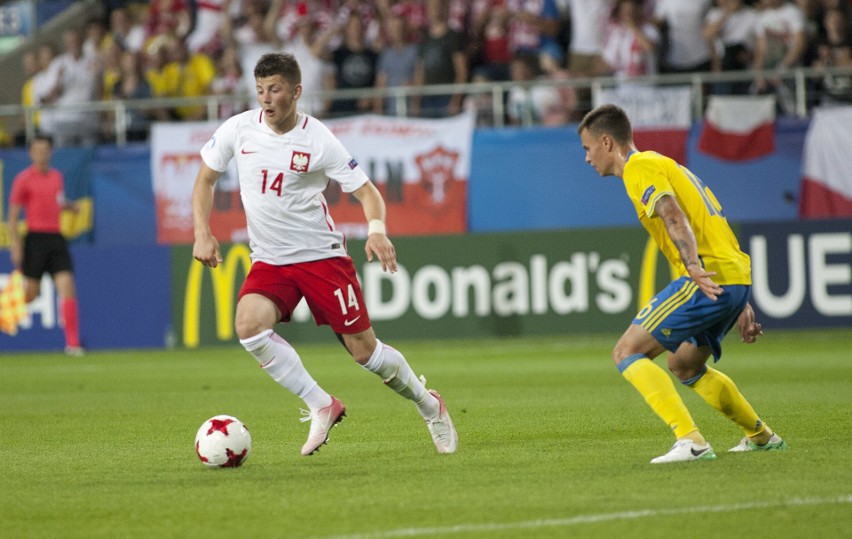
(682, 313)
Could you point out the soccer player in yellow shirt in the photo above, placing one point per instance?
(691, 316)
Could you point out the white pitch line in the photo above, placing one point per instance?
(590, 519)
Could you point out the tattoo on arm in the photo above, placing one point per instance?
(687, 254)
(679, 230)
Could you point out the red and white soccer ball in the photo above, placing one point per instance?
(223, 441)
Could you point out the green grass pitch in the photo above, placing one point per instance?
(553, 443)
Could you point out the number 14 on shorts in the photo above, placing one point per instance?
(347, 300)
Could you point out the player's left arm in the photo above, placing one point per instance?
(378, 243)
(683, 237)
(64, 203)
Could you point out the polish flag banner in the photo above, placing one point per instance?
(826, 168)
(661, 117)
(738, 128)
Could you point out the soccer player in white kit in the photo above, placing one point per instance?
(285, 159)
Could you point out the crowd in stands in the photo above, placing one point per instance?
(188, 48)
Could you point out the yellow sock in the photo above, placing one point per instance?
(721, 393)
(655, 385)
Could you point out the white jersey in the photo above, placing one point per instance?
(685, 19)
(738, 29)
(282, 178)
(588, 25)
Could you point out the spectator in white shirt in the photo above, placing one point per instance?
(44, 82)
(730, 33)
(682, 22)
(207, 18)
(781, 43)
(588, 29)
(77, 82)
(631, 43)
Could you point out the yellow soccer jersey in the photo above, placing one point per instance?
(647, 177)
(160, 84)
(28, 99)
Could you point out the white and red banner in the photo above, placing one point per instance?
(738, 128)
(421, 166)
(826, 166)
(175, 160)
(661, 117)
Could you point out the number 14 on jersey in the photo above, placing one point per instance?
(276, 184)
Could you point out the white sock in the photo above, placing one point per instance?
(282, 363)
(394, 370)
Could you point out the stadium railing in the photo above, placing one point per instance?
(803, 83)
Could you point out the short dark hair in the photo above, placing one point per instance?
(279, 63)
(608, 119)
(41, 137)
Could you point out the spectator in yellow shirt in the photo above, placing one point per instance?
(155, 73)
(30, 64)
(188, 75)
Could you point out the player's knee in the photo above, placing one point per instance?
(361, 346)
(619, 353)
(360, 353)
(361, 359)
(65, 287)
(248, 327)
(684, 372)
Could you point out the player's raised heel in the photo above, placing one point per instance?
(321, 423)
(684, 451)
(775, 443)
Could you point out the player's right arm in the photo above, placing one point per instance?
(683, 238)
(16, 250)
(206, 246)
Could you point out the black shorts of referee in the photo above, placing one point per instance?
(45, 252)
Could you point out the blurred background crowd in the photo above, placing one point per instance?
(192, 48)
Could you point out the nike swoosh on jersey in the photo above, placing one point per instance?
(348, 323)
(244, 152)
